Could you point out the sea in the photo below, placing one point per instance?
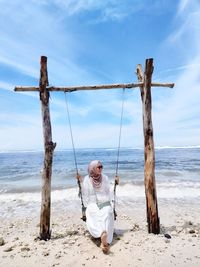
(177, 175)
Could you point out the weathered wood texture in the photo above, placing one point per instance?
(49, 147)
(149, 153)
(91, 87)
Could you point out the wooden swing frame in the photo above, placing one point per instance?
(144, 83)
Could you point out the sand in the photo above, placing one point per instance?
(72, 245)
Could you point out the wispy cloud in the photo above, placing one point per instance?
(114, 10)
(22, 137)
(178, 118)
(183, 67)
(108, 10)
(6, 86)
(61, 30)
(182, 5)
(187, 21)
(40, 32)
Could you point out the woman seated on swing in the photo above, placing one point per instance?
(97, 200)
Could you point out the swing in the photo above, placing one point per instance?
(75, 160)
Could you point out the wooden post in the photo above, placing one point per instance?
(149, 166)
(49, 147)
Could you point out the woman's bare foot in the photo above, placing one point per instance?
(104, 244)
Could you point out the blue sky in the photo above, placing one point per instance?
(91, 42)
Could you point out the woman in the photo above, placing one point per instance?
(99, 212)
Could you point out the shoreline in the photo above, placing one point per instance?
(41, 150)
(71, 244)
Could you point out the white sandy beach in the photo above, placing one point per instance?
(71, 244)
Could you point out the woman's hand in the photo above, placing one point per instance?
(117, 179)
(79, 177)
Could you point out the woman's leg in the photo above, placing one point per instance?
(104, 242)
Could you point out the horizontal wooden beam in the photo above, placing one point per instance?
(169, 85)
(90, 87)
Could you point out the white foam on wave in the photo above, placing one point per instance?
(126, 191)
(66, 194)
(21, 204)
(27, 197)
(178, 192)
(167, 191)
(56, 195)
(130, 191)
(20, 151)
(177, 147)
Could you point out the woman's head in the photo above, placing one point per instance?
(95, 168)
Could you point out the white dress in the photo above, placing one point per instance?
(98, 219)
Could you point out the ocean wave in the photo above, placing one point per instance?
(163, 191)
(124, 191)
(99, 149)
(177, 147)
(20, 151)
(24, 203)
(56, 195)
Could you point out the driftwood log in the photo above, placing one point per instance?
(90, 87)
(49, 146)
(149, 153)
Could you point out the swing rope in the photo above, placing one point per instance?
(120, 131)
(75, 160)
(72, 139)
(118, 150)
